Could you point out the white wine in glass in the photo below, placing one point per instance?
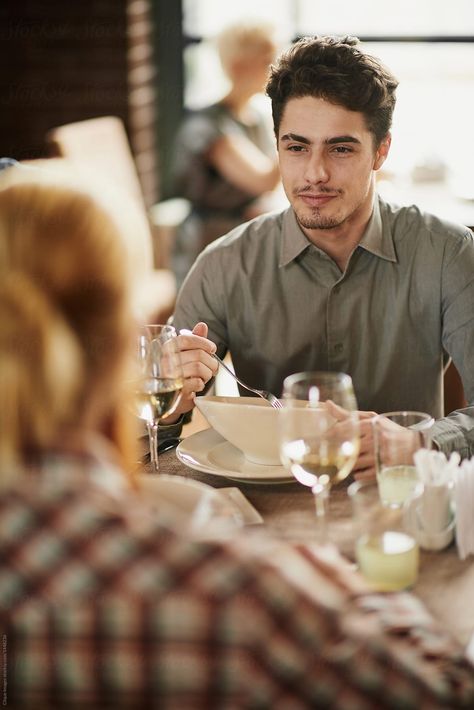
(156, 397)
(319, 433)
(159, 379)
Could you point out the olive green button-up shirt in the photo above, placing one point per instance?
(404, 304)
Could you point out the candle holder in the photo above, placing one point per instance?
(386, 550)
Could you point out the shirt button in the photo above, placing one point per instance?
(338, 347)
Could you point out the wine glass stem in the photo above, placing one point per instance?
(321, 499)
(153, 437)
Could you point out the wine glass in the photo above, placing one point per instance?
(319, 433)
(159, 379)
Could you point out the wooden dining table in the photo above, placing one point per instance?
(445, 583)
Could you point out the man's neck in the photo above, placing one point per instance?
(338, 243)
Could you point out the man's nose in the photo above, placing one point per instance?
(316, 170)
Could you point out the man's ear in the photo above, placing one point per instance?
(382, 152)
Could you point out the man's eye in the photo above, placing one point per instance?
(296, 148)
(342, 149)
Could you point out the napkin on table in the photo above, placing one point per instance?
(464, 499)
(438, 474)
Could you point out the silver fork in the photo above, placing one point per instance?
(271, 399)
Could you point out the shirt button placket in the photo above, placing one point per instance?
(335, 339)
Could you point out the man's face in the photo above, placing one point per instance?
(327, 158)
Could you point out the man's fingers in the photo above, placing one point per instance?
(200, 329)
(199, 366)
(367, 475)
(194, 384)
(364, 468)
(366, 432)
(197, 363)
(365, 460)
(339, 413)
(190, 341)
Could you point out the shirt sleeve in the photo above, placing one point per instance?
(171, 431)
(456, 431)
(202, 298)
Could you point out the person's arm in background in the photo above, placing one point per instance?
(243, 164)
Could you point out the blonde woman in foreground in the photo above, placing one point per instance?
(103, 605)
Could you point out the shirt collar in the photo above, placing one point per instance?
(376, 239)
(294, 240)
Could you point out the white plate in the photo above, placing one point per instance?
(209, 452)
(195, 500)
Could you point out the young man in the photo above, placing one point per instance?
(342, 280)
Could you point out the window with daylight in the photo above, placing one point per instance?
(429, 46)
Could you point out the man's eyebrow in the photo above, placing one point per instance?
(341, 139)
(295, 137)
(328, 141)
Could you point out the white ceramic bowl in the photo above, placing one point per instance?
(249, 423)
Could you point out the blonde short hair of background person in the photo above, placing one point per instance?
(252, 43)
(65, 319)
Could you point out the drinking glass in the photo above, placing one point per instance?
(319, 433)
(397, 437)
(159, 379)
(386, 550)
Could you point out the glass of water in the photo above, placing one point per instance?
(397, 437)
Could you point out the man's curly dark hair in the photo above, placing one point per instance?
(337, 70)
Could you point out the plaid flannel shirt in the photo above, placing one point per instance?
(104, 605)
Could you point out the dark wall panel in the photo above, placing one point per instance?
(68, 60)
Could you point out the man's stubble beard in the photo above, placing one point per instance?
(316, 221)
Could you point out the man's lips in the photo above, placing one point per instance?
(316, 199)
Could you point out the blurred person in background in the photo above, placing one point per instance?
(107, 604)
(226, 160)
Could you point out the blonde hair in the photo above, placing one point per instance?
(245, 40)
(64, 316)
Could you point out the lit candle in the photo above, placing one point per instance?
(389, 561)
